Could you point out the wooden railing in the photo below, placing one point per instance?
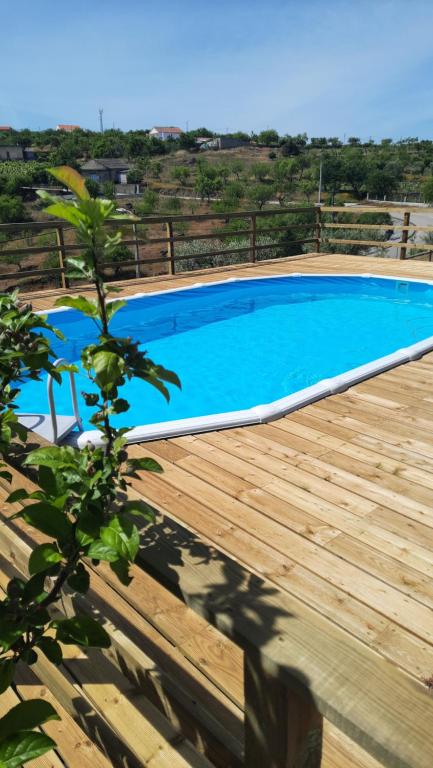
(169, 259)
(405, 228)
(318, 228)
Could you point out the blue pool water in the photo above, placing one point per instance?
(244, 343)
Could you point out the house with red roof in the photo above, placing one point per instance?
(164, 132)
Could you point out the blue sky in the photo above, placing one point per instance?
(328, 67)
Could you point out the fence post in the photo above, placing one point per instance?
(137, 251)
(405, 234)
(318, 228)
(62, 252)
(253, 237)
(170, 248)
(283, 728)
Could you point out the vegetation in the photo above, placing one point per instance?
(81, 504)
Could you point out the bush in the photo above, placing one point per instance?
(148, 203)
(11, 209)
(93, 188)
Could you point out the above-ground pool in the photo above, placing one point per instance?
(247, 351)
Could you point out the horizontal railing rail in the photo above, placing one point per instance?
(319, 231)
(171, 240)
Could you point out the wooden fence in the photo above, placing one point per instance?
(318, 232)
(169, 241)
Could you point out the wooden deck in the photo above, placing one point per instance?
(332, 503)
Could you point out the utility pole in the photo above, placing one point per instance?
(319, 196)
(101, 124)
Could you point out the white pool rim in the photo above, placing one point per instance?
(264, 412)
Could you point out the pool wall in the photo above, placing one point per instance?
(267, 411)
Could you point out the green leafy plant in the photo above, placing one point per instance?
(81, 505)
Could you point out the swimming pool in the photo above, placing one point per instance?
(249, 350)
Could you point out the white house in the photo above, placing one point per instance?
(164, 133)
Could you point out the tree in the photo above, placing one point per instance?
(231, 198)
(354, 141)
(427, 190)
(207, 186)
(187, 140)
(171, 205)
(259, 195)
(134, 176)
(148, 203)
(320, 141)
(332, 173)
(260, 171)
(308, 187)
(11, 209)
(355, 170)
(181, 173)
(81, 503)
(380, 183)
(268, 137)
(107, 146)
(237, 167)
(109, 190)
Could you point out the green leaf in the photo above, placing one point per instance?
(54, 456)
(113, 307)
(48, 519)
(24, 746)
(26, 715)
(43, 557)
(149, 465)
(10, 631)
(34, 591)
(100, 551)
(80, 303)
(7, 671)
(82, 630)
(52, 649)
(122, 536)
(108, 367)
(72, 179)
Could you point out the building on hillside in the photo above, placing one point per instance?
(67, 128)
(6, 128)
(164, 133)
(11, 152)
(223, 142)
(106, 169)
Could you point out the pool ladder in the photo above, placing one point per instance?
(50, 426)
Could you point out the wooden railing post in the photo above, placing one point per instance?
(170, 247)
(137, 251)
(318, 228)
(283, 728)
(62, 253)
(253, 237)
(405, 234)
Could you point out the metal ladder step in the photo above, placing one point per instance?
(50, 426)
